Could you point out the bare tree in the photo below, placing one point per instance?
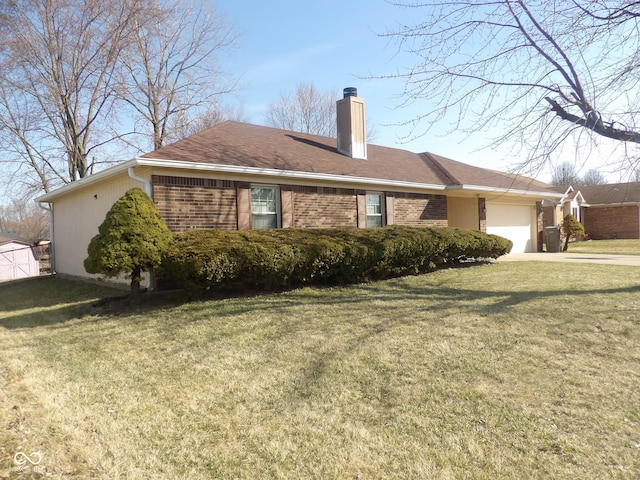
(306, 110)
(565, 174)
(58, 61)
(70, 68)
(190, 123)
(542, 70)
(25, 219)
(172, 64)
(593, 177)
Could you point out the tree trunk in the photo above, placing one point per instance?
(135, 285)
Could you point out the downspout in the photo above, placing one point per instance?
(147, 188)
(144, 181)
(52, 245)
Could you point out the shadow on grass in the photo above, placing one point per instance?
(49, 301)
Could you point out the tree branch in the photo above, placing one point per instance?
(599, 127)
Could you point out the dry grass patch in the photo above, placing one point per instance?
(513, 370)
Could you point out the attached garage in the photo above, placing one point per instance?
(17, 260)
(515, 222)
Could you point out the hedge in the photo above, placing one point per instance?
(275, 259)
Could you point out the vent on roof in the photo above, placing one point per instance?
(352, 131)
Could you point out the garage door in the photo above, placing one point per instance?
(513, 222)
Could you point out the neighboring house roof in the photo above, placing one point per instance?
(242, 148)
(611, 194)
(9, 235)
(4, 240)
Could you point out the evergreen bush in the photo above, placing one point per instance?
(268, 259)
(571, 228)
(131, 239)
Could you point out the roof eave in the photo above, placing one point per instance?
(612, 204)
(96, 177)
(512, 191)
(293, 174)
(272, 172)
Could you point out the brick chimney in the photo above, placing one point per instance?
(352, 131)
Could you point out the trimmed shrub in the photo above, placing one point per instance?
(571, 228)
(272, 259)
(131, 239)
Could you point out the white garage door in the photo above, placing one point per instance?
(513, 222)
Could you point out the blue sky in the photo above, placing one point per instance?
(335, 44)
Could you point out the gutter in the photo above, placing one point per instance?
(207, 167)
(276, 173)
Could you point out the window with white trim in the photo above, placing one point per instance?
(375, 209)
(265, 207)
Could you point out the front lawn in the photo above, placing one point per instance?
(509, 370)
(612, 247)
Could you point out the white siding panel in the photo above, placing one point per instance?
(76, 220)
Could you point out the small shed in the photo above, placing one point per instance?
(17, 260)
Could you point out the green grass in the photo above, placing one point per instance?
(616, 247)
(510, 370)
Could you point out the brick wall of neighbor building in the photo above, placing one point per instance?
(420, 209)
(547, 216)
(604, 223)
(200, 203)
(322, 207)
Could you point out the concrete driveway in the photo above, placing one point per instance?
(573, 257)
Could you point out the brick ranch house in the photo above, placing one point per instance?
(606, 211)
(242, 176)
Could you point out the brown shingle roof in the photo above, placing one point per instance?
(247, 145)
(611, 194)
(464, 174)
(5, 239)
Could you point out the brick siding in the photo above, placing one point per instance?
(420, 209)
(187, 203)
(547, 216)
(604, 223)
(321, 207)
